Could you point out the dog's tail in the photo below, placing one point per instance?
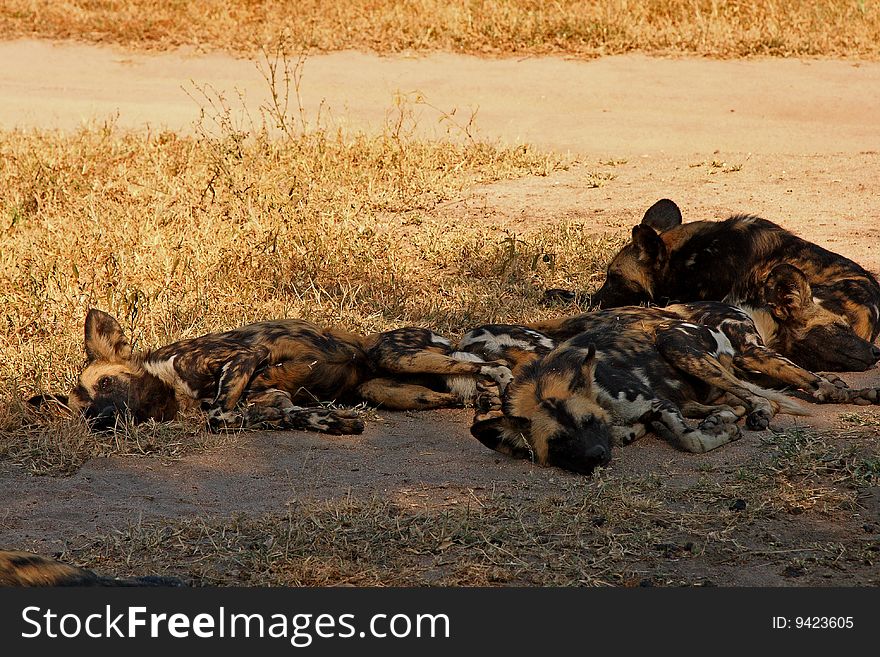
(786, 404)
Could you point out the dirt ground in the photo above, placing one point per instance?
(796, 142)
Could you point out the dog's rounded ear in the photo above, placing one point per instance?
(583, 379)
(662, 216)
(787, 291)
(589, 365)
(104, 338)
(503, 433)
(650, 249)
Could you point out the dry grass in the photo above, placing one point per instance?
(182, 236)
(717, 28)
(613, 529)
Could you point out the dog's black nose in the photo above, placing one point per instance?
(599, 454)
(101, 419)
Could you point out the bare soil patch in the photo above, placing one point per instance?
(613, 107)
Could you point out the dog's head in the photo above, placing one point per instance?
(633, 274)
(114, 384)
(811, 335)
(551, 415)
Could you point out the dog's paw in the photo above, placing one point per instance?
(723, 425)
(337, 422)
(220, 420)
(713, 432)
(721, 422)
(483, 416)
(828, 392)
(622, 436)
(488, 397)
(499, 373)
(758, 420)
(864, 396)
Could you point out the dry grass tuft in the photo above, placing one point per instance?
(717, 28)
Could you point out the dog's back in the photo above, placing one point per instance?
(668, 261)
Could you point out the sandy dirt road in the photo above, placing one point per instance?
(629, 105)
(797, 142)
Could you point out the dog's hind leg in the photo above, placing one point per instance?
(412, 352)
(420, 351)
(396, 395)
(698, 351)
(714, 431)
(828, 389)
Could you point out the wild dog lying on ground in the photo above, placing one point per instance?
(27, 569)
(257, 375)
(751, 263)
(626, 371)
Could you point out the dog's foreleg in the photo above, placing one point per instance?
(695, 350)
(726, 402)
(274, 409)
(428, 362)
(233, 378)
(411, 351)
(823, 389)
(761, 360)
(716, 430)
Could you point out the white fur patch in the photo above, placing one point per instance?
(466, 356)
(165, 372)
(724, 347)
(623, 411)
(461, 385)
(439, 339)
(495, 343)
(640, 374)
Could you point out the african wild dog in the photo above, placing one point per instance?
(754, 264)
(257, 375)
(619, 376)
(27, 569)
(653, 367)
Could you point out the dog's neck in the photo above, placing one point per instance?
(155, 398)
(162, 368)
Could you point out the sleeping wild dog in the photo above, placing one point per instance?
(751, 262)
(27, 569)
(618, 374)
(258, 375)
